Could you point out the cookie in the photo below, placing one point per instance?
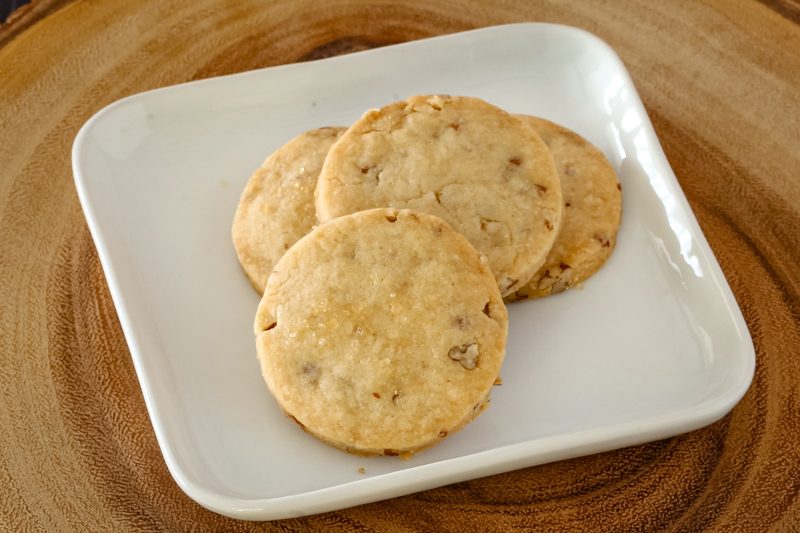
(277, 205)
(592, 213)
(482, 170)
(382, 332)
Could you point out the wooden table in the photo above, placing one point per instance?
(721, 82)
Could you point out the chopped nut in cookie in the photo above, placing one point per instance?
(310, 372)
(462, 322)
(507, 284)
(603, 239)
(466, 354)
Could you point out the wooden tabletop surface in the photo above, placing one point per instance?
(721, 83)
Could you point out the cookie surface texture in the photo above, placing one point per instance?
(592, 213)
(482, 170)
(382, 332)
(277, 205)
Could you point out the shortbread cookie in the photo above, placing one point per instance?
(592, 214)
(382, 332)
(277, 205)
(483, 171)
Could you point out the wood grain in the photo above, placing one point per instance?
(721, 82)
(787, 8)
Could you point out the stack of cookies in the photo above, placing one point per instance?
(384, 253)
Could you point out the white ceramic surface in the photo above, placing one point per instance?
(654, 346)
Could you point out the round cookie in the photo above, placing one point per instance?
(592, 213)
(480, 169)
(382, 332)
(277, 205)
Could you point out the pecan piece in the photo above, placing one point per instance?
(466, 354)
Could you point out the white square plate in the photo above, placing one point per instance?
(655, 345)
